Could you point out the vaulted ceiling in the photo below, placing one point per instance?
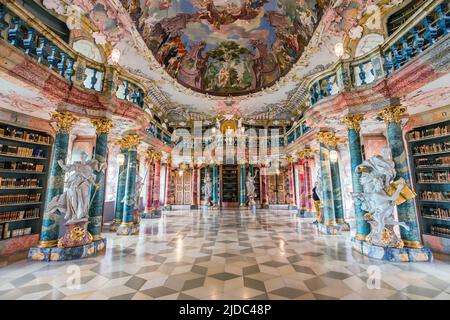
(201, 58)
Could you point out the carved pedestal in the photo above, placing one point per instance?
(76, 234)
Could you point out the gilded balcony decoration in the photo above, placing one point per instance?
(64, 121)
(353, 121)
(329, 139)
(102, 125)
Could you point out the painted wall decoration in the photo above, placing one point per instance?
(226, 47)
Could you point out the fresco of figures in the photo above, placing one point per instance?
(226, 47)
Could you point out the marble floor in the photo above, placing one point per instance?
(226, 254)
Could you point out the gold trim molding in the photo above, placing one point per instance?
(129, 142)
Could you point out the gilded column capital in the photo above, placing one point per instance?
(169, 161)
(290, 159)
(329, 139)
(306, 153)
(392, 113)
(129, 142)
(102, 125)
(353, 121)
(157, 155)
(149, 153)
(64, 121)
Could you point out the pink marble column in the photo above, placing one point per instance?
(157, 184)
(149, 202)
(195, 186)
(308, 183)
(302, 186)
(168, 184)
(291, 183)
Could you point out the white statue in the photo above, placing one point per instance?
(250, 186)
(377, 174)
(74, 202)
(207, 188)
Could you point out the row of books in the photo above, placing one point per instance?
(18, 183)
(19, 198)
(438, 229)
(435, 195)
(437, 176)
(432, 148)
(429, 162)
(441, 213)
(21, 151)
(24, 135)
(5, 233)
(430, 132)
(19, 215)
(26, 166)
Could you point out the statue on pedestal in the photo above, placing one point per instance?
(250, 187)
(379, 197)
(74, 202)
(207, 189)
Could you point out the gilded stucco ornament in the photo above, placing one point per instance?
(102, 125)
(329, 139)
(64, 121)
(393, 114)
(353, 121)
(129, 142)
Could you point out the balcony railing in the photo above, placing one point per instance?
(26, 33)
(418, 34)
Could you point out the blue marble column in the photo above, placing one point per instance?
(215, 195)
(406, 211)
(242, 178)
(128, 226)
(337, 194)
(353, 123)
(120, 194)
(97, 198)
(55, 186)
(328, 225)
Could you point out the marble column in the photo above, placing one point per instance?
(195, 186)
(150, 178)
(242, 178)
(264, 186)
(308, 181)
(291, 182)
(169, 183)
(406, 212)
(118, 214)
(50, 224)
(97, 198)
(156, 211)
(353, 123)
(337, 193)
(215, 186)
(329, 225)
(301, 186)
(128, 227)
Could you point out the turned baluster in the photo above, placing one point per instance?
(52, 57)
(430, 34)
(319, 90)
(388, 65)
(41, 49)
(418, 41)
(14, 34)
(396, 57)
(3, 23)
(313, 94)
(133, 95)
(406, 49)
(28, 43)
(444, 20)
(362, 74)
(69, 69)
(62, 64)
(126, 89)
(141, 98)
(94, 79)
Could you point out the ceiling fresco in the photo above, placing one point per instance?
(226, 47)
(199, 38)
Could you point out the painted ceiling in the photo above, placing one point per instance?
(202, 58)
(226, 47)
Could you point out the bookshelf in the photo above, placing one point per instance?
(429, 147)
(230, 186)
(24, 161)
